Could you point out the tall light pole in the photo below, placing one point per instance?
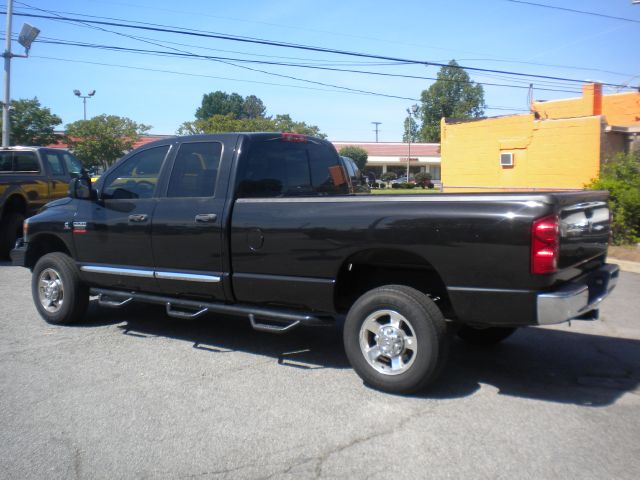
(84, 99)
(411, 111)
(27, 35)
(376, 130)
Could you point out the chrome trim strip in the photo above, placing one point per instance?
(133, 272)
(188, 277)
(488, 290)
(130, 272)
(284, 278)
(529, 200)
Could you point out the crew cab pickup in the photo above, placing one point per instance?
(266, 226)
(29, 178)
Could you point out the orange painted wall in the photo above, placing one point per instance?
(622, 108)
(618, 109)
(563, 153)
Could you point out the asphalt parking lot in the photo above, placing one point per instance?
(133, 394)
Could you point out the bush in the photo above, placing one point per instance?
(621, 177)
(388, 176)
(396, 185)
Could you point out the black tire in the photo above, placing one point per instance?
(10, 231)
(59, 271)
(423, 323)
(484, 337)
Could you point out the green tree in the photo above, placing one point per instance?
(231, 123)
(357, 154)
(222, 103)
(103, 139)
(388, 176)
(253, 107)
(452, 95)
(410, 130)
(31, 123)
(620, 175)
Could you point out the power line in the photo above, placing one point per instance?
(505, 60)
(572, 10)
(49, 40)
(130, 67)
(302, 47)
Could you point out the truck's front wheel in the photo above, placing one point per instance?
(396, 339)
(58, 293)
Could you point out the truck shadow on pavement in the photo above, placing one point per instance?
(541, 364)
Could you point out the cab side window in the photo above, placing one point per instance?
(195, 170)
(25, 162)
(136, 177)
(280, 168)
(6, 161)
(74, 166)
(55, 164)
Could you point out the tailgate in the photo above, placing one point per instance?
(584, 227)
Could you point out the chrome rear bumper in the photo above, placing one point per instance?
(578, 297)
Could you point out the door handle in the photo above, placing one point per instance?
(206, 217)
(138, 218)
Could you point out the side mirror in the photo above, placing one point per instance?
(80, 188)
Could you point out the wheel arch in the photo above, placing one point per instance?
(15, 202)
(42, 244)
(375, 267)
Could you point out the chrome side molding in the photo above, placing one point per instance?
(160, 275)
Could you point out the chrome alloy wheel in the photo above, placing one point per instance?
(50, 290)
(388, 342)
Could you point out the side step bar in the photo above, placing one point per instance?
(281, 321)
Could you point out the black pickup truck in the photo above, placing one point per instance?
(30, 177)
(266, 226)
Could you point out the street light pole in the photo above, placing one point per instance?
(411, 111)
(84, 99)
(27, 36)
(7, 78)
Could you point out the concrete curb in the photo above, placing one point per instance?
(625, 265)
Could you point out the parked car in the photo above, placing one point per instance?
(29, 178)
(359, 181)
(403, 179)
(265, 226)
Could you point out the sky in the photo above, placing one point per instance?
(165, 91)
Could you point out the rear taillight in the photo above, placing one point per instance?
(545, 245)
(25, 229)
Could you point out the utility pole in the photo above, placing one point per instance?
(27, 36)
(6, 128)
(376, 130)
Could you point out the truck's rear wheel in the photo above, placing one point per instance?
(10, 230)
(396, 339)
(484, 337)
(58, 293)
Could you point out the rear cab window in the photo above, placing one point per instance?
(280, 167)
